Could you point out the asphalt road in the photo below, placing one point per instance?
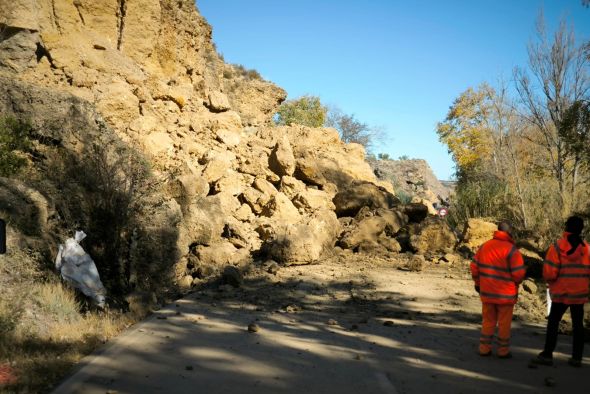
(199, 346)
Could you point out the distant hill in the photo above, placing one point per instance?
(412, 177)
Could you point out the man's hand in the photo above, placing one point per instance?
(477, 289)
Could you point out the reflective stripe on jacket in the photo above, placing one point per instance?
(568, 276)
(498, 269)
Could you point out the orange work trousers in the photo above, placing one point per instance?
(495, 315)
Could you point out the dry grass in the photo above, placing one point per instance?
(43, 332)
(57, 301)
(10, 313)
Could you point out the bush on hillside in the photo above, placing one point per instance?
(10, 313)
(14, 141)
(484, 196)
(101, 191)
(240, 70)
(404, 197)
(305, 111)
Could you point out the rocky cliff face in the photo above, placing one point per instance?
(413, 178)
(106, 81)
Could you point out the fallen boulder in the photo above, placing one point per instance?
(433, 236)
(359, 194)
(477, 232)
(366, 230)
(232, 276)
(416, 212)
(303, 242)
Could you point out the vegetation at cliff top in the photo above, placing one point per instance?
(305, 111)
(240, 70)
(309, 111)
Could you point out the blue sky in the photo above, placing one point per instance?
(392, 63)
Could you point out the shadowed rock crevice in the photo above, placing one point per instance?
(121, 22)
(79, 9)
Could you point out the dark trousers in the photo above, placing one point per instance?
(555, 315)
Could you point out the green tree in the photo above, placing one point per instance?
(575, 132)
(466, 132)
(478, 133)
(305, 111)
(14, 141)
(575, 129)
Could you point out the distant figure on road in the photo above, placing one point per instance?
(497, 269)
(567, 271)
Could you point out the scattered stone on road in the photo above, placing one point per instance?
(292, 308)
(253, 327)
(549, 381)
(271, 267)
(332, 322)
(388, 323)
(232, 276)
(532, 365)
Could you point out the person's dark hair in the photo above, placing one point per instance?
(505, 226)
(574, 225)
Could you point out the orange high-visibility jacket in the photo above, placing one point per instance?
(568, 276)
(498, 269)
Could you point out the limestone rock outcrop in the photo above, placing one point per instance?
(412, 178)
(138, 86)
(434, 237)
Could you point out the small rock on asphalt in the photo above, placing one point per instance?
(332, 322)
(292, 308)
(271, 267)
(232, 276)
(253, 327)
(388, 323)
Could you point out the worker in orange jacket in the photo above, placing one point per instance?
(567, 271)
(497, 269)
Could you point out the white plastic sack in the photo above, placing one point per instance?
(77, 268)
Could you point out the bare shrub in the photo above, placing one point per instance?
(99, 190)
(249, 74)
(353, 130)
